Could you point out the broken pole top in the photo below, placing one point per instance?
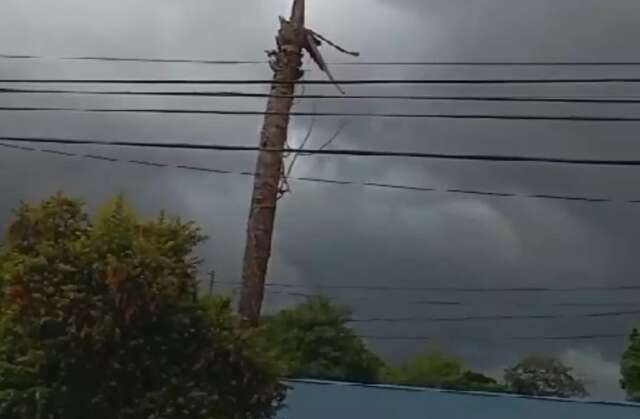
(298, 13)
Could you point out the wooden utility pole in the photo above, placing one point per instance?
(286, 61)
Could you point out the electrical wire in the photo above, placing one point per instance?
(562, 118)
(451, 303)
(593, 80)
(232, 94)
(375, 185)
(493, 318)
(487, 338)
(354, 63)
(331, 152)
(471, 290)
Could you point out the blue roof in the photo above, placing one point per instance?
(312, 399)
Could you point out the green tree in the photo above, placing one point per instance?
(473, 381)
(429, 369)
(630, 367)
(312, 340)
(543, 376)
(441, 370)
(99, 322)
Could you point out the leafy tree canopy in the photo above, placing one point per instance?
(312, 340)
(99, 323)
(442, 370)
(473, 381)
(430, 369)
(543, 376)
(630, 367)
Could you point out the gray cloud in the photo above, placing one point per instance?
(335, 235)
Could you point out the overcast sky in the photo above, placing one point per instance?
(329, 234)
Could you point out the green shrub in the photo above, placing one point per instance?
(312, 340)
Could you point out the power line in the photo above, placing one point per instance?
(136, 60)
(447, 303)
(495, 317)
(167, 60)
(492, 318)
(355, 63)
(376, 185)
(565, 118)
(492, 63)
(471, 290)
(334, 152)
(486, 338)
(479, 318)
(20, 57)
(232, 94)
(592, 305)
(597, 80)
(451, 304)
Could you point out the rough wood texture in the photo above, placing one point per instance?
(286, 62)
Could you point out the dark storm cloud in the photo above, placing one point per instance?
(352, 235)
